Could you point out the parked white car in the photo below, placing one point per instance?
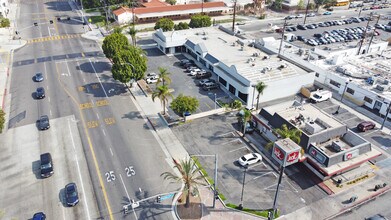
(250, 159)
(194, 72)
(152, 79)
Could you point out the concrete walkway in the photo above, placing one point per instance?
(7, 46)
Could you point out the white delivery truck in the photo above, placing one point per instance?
(320, 96)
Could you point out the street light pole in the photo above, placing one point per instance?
(363, 37)
(359, 13)
(233, 20)
(244, 180)
(252, 103)
(385, 118)
(271, 215)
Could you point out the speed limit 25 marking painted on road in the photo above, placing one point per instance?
(92, 124)
(111, 176)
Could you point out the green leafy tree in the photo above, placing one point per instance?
(163, 93)
(301, 5)
(294, 134)
(181, 26)
(319, 3)
(113, 43)
(164, 76)
(182, 104)
(189, 176)
(171, 2)
(311, 6)
(117, 30)
(129, 63)
(198, 21)
(2, 120)
(4, 22)
(236, 104)
(277, 4)
(260, 87)
(165, 24)
(244, 116)
(132, 32)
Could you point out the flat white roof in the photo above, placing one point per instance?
(249, 62)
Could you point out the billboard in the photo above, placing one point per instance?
(286, 152)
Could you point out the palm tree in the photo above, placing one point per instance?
(163, 93)
(243, 117)
(294, 134)
(260, 87)
(132, 32)
(164, 76)
(189, 175)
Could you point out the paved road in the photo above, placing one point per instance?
(124, 157)
(381, 205)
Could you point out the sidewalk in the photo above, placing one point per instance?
(7, 47)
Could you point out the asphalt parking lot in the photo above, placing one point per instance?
(182, 83)
(374, 136)
(217, 135)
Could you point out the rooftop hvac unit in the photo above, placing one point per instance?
(338, 145)
(312, 127)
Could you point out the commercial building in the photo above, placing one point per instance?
(155, 10)
(237, 65)
(362, 79)
(4, 8)
(330, 147)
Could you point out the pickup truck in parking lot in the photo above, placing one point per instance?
(320, 96)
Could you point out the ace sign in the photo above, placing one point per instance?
(286, 152)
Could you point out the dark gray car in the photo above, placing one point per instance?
(43, 122)
(40, 93)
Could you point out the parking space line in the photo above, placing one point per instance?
(208, 105)
(261, 175)
(236, 139)
(354, 117)
(366, 134)
(222, 135)
(237, 149)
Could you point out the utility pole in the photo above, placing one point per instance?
(306, 11)
(282, 37)
(385, 118)
(105, 7)
(233, 20)
(359, 13)
(273, 213)
(244, 181)
(373, 34)
(202, 7)
(363, 37)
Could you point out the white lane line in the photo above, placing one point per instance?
(98, 78)
(63, 213)
(78, 168)
(69, 72)
(104, 133)
(126, 191)
(48, 99)
(92, 101)
(111, 151)
(50, 34)
(237, 149)
(97, 115)
(222, 135)
(50, 111)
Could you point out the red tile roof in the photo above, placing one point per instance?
(155, 3)
(168, 8)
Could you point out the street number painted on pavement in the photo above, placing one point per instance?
(110, 176)
(130, 171)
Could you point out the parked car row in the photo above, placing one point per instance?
(193, 70)
(46, 161)
(327, 24)
(290, 17)
(339, 35)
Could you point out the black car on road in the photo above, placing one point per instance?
(40, 93)
(46, 165)
(43, 122)
(71, 194)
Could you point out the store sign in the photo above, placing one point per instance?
(317, 155)
(286, 152)
(351, 154)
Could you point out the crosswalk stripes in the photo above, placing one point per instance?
(52, 38)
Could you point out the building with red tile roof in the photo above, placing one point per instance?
(155, 11)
